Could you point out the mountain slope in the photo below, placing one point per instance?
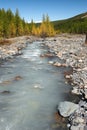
(76, 24)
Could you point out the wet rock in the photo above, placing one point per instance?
(68, 125)
(42, 55)
(67, 76)
(50, 62)
(37, 86)
(18, 78)
(6, 82)
(5, 92)
(47, 55)
(67, 108)
(57, 64)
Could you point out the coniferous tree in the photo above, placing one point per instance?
(12, 25)
(1, 24)
(26, 29)
(31, 26)
(18, 23)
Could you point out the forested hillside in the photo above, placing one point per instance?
(77, 24)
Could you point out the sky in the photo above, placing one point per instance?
(56, 9)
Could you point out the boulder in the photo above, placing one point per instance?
(66, 108)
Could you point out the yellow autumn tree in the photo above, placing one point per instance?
(34, 31)
(38, 31)
(46, 28)
(12, 29)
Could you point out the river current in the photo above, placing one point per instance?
(30, 90)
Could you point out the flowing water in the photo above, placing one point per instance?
(30, 90)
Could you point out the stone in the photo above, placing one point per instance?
(57, 64)
(66, 108)
(37, 86)
(78, 120)
(85, 86)
(59, 54)
(68, 125)
(50, 62)
(84, 68)
(79, 127)
(75, 90)
(67, 76)
(5, 92)
(18, 78)
(80, 61)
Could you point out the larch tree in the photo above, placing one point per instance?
(46, 27)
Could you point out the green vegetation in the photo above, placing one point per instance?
(12, 25)
(45, 29)
(77, 24)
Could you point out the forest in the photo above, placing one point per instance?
(12, 25)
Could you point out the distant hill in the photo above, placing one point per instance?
(76, 24)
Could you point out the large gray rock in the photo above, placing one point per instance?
(67, 108)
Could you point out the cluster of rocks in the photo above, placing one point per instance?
(78, 119)
(71, 49)
(76, 113)
(13, 46)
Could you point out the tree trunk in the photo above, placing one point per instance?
(86, 39)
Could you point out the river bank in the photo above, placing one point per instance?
(13, 46)
(71, 50)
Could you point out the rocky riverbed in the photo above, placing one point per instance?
(73, 53)
(13, 46)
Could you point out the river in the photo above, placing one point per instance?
(30, 90)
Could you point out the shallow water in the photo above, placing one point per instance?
(32, 100)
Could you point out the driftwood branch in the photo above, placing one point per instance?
(86, 39)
